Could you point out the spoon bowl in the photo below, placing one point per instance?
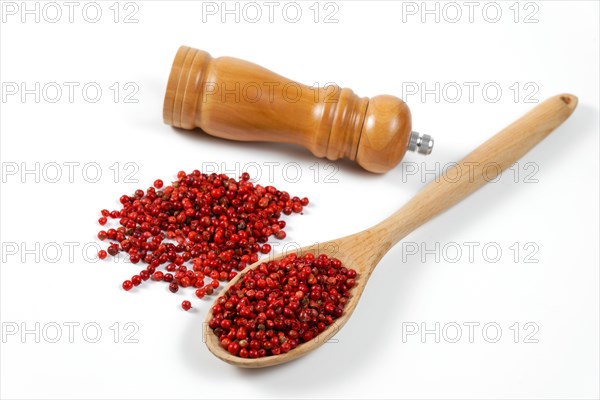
(352, 255)
(362, 251)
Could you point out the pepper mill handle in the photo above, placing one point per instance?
(237, 100)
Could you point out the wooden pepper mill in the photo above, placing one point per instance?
(235, 99)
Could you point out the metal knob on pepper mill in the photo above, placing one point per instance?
(237, 100)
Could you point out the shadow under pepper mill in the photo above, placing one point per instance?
(237, 100)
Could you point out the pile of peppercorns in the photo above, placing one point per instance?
(213, 222)
(281, 304)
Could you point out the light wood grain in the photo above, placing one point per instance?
(362, 251)
(237, 100)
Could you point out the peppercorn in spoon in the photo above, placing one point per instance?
(274, 311)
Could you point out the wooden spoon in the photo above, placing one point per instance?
(362, 251)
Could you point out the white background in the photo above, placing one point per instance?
(373, 48)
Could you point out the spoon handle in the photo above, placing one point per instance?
(479, 167)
